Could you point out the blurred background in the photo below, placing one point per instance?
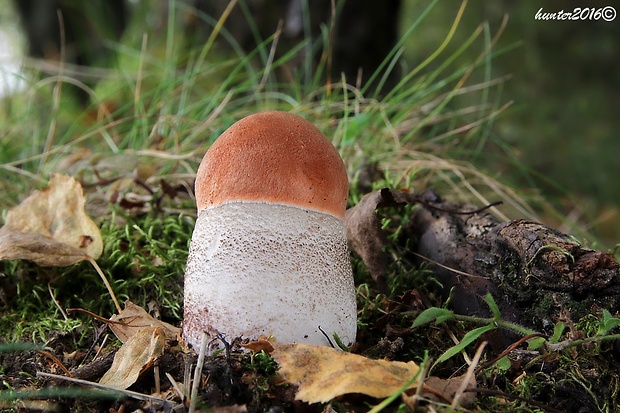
(562, 77)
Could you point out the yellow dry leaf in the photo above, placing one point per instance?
(134, 318)
(136, 355)
(57, 214)
(323, 373)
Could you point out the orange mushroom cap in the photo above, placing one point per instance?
(275, 157)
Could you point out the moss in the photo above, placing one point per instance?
(143, 258)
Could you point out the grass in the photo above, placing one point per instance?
(158, 110)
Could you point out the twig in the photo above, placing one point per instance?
(96, 368)
(470, 373)
(133, 394)
(98, 332)
(55, 360)
(456, 343)
(107, 284)
(445, 267)
(455, 211)
(176, 387)
(95, 316)
(188, 361)
(419, 390)
(56, 303)
(102, 346)
(508, 350)
(197, 373)
(157, 377)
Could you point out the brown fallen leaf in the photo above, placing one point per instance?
(55, 213)
(38, 248)
(51, 228)
(134, 318)
(444, 390)
(136, 355)
(364, 233)
(323, 373)
(262, 344)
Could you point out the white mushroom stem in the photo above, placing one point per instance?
(279, 254)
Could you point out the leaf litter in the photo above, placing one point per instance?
(135, 356)
(134, 318)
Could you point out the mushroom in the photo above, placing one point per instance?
(269, 256)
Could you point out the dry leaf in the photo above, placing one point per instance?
(323, 373)
(443, 390)
(134, 318)
(364, 233)
(56, 214)
(262, 344)
(136, 355)
(38, 248)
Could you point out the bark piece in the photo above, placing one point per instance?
(533, 271)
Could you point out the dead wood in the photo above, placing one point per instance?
(95, 369)
(536, 273)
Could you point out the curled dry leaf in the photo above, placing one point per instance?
(325, 373)
(38, 248)
(364, 233)
(134, 318)
(136, 355)
(51, 227)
